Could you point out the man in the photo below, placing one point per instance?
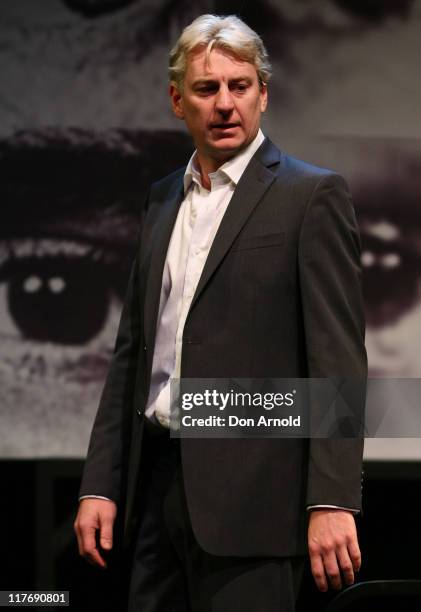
(248, 266)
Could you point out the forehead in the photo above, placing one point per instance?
(221, 64)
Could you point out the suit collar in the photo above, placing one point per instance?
(231, 170)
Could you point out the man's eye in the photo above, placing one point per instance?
(240, 87)
(208, 89)
(59, 298)
(387, 262)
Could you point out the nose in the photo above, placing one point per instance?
(224, 102)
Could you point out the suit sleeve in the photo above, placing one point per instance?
(330, 281)
(102, 475)
(105, 463)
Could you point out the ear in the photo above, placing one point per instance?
(176, 101)
(263, 97)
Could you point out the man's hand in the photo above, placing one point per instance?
(93, 515)
(333, 547)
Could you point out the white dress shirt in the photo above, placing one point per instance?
(198, 219)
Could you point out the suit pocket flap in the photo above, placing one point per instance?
(258, 242)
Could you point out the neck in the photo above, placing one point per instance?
(206, 166)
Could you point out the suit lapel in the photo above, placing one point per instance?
(253, 184)
(250, 189)
(160, 241)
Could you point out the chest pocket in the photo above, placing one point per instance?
(259, 242)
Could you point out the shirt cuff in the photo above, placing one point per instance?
(94, 497)
(318, 506)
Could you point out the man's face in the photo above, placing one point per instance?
(221, 103)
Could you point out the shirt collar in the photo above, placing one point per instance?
(232, 169)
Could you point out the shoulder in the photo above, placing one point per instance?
(297, 183)
(312, 176)
(304, 191)
(296, 174)
(312, 180)
(303, 172)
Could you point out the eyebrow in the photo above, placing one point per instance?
(210, 81)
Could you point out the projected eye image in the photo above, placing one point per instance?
(71, 221)
(390, 225)
(46, 281)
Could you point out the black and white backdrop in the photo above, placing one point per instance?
(84, 121)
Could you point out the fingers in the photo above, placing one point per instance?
(325, 568)
(345, 565)
(334, 552)
(355, 553)
(333, 564)
(95, 516)
(79, 538)
(86, 528)
(89, 548)
(329, 568)
(106, 532)
(318, 571)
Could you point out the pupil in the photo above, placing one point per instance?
(58, 299)
(390, 286)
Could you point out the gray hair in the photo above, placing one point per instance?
(212, 31)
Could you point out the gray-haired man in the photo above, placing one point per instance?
(248, 267)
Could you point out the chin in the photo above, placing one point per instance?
(228, 145)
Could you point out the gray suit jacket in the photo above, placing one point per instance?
(279, 296)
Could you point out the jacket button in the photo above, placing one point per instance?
(144, 347)
(139, 412)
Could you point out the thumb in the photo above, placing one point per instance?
(106, 534)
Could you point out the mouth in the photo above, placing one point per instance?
(224, 126)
